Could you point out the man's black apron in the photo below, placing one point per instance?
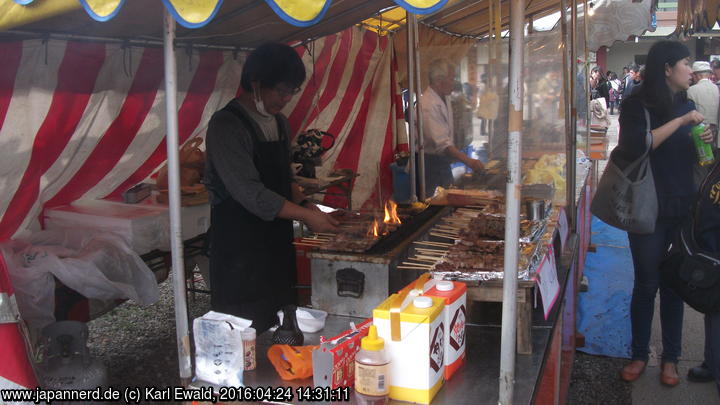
(252, 261)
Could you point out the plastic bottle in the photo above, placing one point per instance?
(372, 370)
(248, 337)
(704, 150)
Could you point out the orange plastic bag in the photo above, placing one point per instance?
(292, 362)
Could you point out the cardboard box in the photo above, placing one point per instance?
(334, 360)
(146, 226)
(455, 296)
(416, 355)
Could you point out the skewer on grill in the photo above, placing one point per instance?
(448, 227)
(423, 261)
(431, 250)
(434, 258)
(308, 244)
(416, 267)
(440, 235)
(431, 243)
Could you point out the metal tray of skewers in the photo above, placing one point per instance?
(468, 246)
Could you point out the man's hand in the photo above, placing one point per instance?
(476, 165)
(318, 221)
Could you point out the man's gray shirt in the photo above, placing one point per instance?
(230, 154)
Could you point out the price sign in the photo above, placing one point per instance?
(563, 227)
(547, 281)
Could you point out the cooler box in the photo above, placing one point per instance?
(417, 358)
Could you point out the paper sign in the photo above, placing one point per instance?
(547, 281)
(562, 227)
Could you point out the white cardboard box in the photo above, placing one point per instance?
(146, 226)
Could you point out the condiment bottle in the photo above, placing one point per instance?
(248, 337)
(704, 150)
(372, 384)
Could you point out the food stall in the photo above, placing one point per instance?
(551, 243)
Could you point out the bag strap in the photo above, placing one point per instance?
(648, 145)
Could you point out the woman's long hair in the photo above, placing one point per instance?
(654, 92)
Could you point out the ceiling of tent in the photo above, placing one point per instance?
(238, 23)
(247, 23)
(462, 17)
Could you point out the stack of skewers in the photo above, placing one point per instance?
(475, 244)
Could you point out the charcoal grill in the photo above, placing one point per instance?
(353, 284)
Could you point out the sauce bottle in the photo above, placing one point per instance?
(372, 385)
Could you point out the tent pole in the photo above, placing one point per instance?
(411, 106)
(176, 243)
(512, 203)
(418, 88)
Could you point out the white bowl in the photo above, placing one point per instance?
(309, 320)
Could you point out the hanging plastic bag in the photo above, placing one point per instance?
(98, 266)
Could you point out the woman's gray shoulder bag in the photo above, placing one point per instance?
(625, 202)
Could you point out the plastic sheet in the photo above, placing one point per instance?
(97, 265)
(604, 311)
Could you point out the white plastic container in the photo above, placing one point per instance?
(372, 370)
(248, 337)
(309, 320)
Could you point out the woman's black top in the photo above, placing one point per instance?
(672, 162)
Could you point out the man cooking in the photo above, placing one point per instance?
(440, 151)
(254, 200)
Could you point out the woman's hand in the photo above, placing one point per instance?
(708, 135)
(692, 118)
(318, 221)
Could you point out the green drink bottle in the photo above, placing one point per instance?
(704, 150)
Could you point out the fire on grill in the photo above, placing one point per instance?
(361, 230)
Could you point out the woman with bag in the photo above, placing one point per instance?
(672, 156)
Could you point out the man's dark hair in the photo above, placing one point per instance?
(654, 92)
(271, 64)
(632, 67)
(715, 64)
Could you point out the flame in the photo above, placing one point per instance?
(374, 229)
(391, 216)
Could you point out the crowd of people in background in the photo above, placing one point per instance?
(610, 87)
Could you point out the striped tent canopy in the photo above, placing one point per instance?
(86, 120)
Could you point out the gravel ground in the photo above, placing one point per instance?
(137, 344)
(595, 381)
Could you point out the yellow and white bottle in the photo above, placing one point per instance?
(372, 370)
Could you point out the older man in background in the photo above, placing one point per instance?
(705, 94)
(440, 151)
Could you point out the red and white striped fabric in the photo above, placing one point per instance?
(16, 372)
(86, 120)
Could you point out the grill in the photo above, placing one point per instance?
(354, 283)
